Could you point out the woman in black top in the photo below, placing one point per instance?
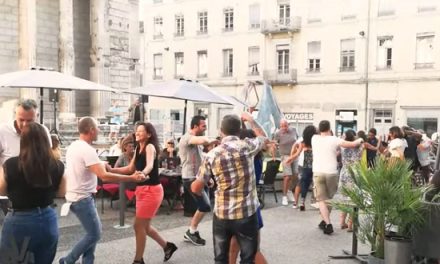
(31, 181)
(149, 194)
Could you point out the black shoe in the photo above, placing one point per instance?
(194, 238)
(139, 261)
(328, 229)
(169, 250)
(302, 207)
(322, 225)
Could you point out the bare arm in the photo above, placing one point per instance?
(151, 154)
(197, 186)
(129, 169)
(351, 144)
(3, 184)
(62, 187)
(199, 140)
(107, 176)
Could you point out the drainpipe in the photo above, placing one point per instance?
(367, 51)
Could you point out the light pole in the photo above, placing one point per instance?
(367, 51)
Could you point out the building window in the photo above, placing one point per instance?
(427, 124)
(387, 7)
(347, 55)
(202, 64)
(203, 23)
(158, 27)
(350, 9)
(229, 19)
(178, 57)
(314, 56)
(180, 26)
(382, 121)
(228, 62)
(427, 6)
(425, 51)
(254, 16)
(283, 59)
(284, 14)
(315, 8)
(384, 53)
(157, 68)
(254, 60)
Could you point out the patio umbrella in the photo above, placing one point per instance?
(49, 79)
(182, 89)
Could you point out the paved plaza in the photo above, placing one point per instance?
(288, 236)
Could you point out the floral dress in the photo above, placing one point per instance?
(349, 157)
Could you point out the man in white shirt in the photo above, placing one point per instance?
(83, 166)
(25, 112)
(325, 169)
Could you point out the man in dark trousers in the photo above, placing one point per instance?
(136, 112)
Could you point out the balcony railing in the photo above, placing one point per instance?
(280, 77)
(426, 65)
(273, 26)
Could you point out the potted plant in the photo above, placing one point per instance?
(385, 199)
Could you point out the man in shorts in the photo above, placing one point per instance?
(325, 169)
(285, 138)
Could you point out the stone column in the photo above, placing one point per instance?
(66, 56)
(99, 55)
(27, 27)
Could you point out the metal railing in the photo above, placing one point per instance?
(281, 76)
(276, 26)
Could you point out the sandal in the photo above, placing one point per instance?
(344, 226)
(169, 250)
(141, 261)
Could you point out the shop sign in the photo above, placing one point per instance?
(298, 116)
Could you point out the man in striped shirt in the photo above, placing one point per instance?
(232, 166)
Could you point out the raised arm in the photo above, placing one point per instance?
(351, 144)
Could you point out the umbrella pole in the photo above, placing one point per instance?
(184, 117)
(41, 105)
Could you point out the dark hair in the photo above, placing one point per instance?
(195, 121)
(350, 135)
(361, 134)
(247, 133)
(149, 128)
(231, 125)
(396, 132)
(435, 180)
(324, 126)
(308, 133)
(28, 104)
(35, 155)
(373, 131)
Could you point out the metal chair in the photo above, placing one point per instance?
(269, 175)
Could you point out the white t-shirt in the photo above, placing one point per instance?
(80, 182)
(397, 147)
(324, 154)
(10, 143)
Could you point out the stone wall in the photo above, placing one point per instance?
(8, 43)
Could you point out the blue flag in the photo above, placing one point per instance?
(269, 114)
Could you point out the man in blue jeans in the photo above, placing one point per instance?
(83, 166)
(236, 202)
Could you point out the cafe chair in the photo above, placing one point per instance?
(269, 176)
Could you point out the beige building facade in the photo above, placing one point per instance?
(359, 64)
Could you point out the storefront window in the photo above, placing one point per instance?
(429, 125)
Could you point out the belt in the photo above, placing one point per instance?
(26, 209)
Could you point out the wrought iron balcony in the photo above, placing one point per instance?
(280, 76)
(275, 26)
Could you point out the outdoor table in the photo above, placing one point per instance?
(172, 189)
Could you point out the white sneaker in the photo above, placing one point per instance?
(284, 201)
(294, 206)
(315, 205)
(290, 196)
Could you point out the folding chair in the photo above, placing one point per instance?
(269, 175)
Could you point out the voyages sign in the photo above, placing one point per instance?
(298, 116)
